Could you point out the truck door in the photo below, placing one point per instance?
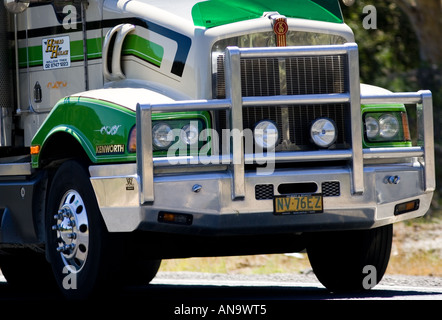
(5, 82)
(56, 55)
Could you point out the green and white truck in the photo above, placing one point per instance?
(139, 130)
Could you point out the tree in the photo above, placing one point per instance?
(388, 53)
(404, 53)
(426, 20)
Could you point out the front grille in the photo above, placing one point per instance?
(317, 75)
(303, 75)
(292, 76)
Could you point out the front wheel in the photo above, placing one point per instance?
(82, 254)
(353, 260)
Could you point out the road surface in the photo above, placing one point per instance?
(292, 287)
(177, 287)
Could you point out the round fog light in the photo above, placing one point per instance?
(323, 132)
(266, 134)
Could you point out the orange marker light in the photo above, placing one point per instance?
(132, 143)
(35, 150)
(405, 127)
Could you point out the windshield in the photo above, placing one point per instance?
(267, 39)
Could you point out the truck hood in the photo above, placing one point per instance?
(127, 97)
(213, 13)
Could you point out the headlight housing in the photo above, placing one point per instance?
(386, 127)
(183, 132)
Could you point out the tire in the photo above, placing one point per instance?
(345, 261)
(140, 271)
(138, 266)
(83, 255)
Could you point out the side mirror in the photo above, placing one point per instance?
(16, 6)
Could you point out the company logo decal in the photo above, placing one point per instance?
(56, 53)
(56, 85)
(110, 130)
(280, 28)
(130, 184)
(109, 149)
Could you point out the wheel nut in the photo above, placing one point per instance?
(58, 216)
(66, 247)
(72, 235)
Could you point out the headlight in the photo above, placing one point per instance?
(162, 136)
(371, 127)
(388, 126)
(189, 133)
(323, 132)
(266, 134)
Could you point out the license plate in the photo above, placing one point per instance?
(297, 203)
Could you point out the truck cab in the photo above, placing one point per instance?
(208, 127)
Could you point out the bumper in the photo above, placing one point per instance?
(213, 211)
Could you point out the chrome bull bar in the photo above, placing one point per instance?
(235, 103)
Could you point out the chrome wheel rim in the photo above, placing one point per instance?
(72, 228)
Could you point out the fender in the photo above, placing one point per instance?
(100, 127)
(101, 122)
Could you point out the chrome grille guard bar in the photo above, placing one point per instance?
(235, 102)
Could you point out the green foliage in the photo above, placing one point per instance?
(389, 55)
(389, 58)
